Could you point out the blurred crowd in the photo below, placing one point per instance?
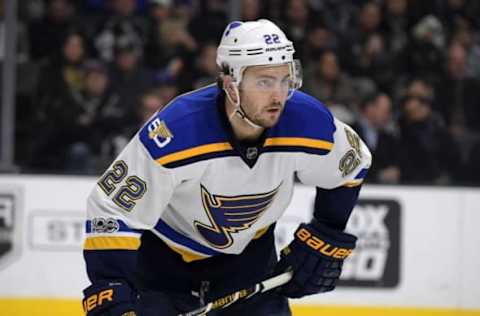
(404, 73)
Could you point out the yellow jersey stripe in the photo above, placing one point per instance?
(261, 232)
(36, 306)
(298, 141)
(353, 183)
(187, 256)
(195, 151)
(109, 243)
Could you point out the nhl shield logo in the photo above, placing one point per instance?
(10, 234)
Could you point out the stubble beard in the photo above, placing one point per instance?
(264, 119)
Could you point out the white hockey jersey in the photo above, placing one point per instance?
(184, 178)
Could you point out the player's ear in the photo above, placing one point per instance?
(230, 88)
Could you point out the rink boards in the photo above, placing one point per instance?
(418, 250)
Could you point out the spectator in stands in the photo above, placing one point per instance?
(61, 76)
(296, 18)
(159, 11)
(395, 30)
(395, 26)
(467, 38)
(374, 126)
(98, 112)
(121, 24)
(100, 105)
(208, 24)
(178, 51)
(251, 10)
(177, 37)
(425, 51)
(326, 81)
(368, 23)
(47, 33)
(458, 95)
(336, 15)
(206, 69)
(71, 125)
(375, 62)
(185, 10)
(319, 39)
(59, 90)
(389, 41)
(150, 102)
(459, 13)
(428, 153)
(167, 90)
(370, 18)
(127, 76)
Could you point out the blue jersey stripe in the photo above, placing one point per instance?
(362, 174)
(320, 152)
(199, 158)
(183, 240)
(192, 129)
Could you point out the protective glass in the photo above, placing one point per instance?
(297, 76)
(269, 84)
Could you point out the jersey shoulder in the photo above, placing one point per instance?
(187, 130)
(305, 123)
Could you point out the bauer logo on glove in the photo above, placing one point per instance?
(322, 246)
(109, 298)
(97, 299)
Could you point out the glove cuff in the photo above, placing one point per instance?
(334, 235)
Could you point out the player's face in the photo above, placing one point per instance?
(263, 93)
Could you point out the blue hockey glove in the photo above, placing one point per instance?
(316, 257)
(109, 298)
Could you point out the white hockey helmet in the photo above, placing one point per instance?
(256, 43)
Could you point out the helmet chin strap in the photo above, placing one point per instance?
(238, 111)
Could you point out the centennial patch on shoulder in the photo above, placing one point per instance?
(159, 133)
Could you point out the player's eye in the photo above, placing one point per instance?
(265, 83)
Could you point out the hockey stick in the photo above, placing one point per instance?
(242, 295)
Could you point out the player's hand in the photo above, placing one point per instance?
(109, 298)
(316, 257)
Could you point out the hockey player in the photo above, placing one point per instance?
(187, 211)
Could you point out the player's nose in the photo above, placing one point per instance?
(277, 95)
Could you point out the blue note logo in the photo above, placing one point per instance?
(231, 214)
(232, 26)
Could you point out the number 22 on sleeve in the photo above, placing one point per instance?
(133, 187)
